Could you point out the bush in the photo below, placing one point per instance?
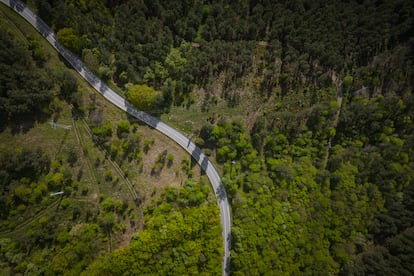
(69, 39)
(142, 97)
(199, 142)
(101, 134)
(207, 152)
(65, 203)
(108, 175)
(170, 159)
(108, 204)
(147, 145)
(123, 128)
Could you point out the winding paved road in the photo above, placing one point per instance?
(120, 102)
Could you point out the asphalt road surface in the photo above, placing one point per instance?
(120, 102)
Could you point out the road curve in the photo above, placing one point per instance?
(120, 102)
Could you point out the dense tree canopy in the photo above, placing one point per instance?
(19, 170)
(24, 88)
(320, 176)
(180, 237)
(295, 44)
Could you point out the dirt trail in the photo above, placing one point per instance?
(91, 173)
(31, 220)
(114, 165)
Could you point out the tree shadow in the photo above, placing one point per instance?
(227, 262)
(17, 5)
(140, 115)
(23, 123)
(132, 120)
(221, 193)
(43, 28)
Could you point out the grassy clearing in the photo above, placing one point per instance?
(190, 120)
(147, 184)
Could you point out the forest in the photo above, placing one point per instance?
(317, 160)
